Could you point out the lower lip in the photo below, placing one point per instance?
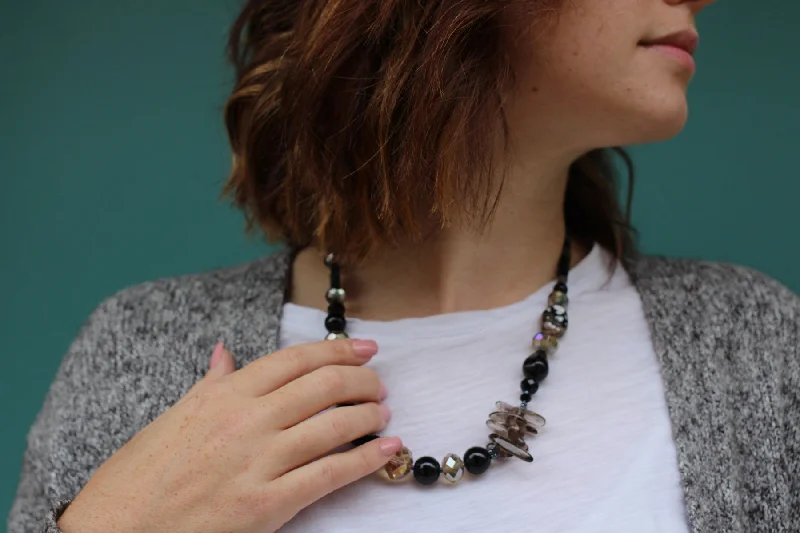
(682, 56)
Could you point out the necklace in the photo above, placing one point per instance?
(509, 425)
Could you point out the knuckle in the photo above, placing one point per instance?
(340, 425)
(332, 380)
(342, 350)
(294, 359)
(262, 503)
(329, 474)
(365, 462)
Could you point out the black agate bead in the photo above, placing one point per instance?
(535, 367)
(477, 460)
(529, 386)
(427, 470)
(335, 324)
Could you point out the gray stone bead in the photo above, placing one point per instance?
(335, 296)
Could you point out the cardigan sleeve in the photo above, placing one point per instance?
(790, 397)
(73, 432)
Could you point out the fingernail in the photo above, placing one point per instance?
(365, 349)
(216, 355)
(384, 392)
(391, 446)
(385, 412)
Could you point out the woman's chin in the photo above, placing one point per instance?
(662, 124)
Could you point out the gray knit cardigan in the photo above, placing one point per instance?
(726, 338)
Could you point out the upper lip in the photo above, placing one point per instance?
(684, 39)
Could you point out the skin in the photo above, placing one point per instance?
(584, 83)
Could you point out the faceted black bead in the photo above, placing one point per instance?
(336, 309)
(427, 470)
(524, 397)
(477, 460)
(335, 324)
(561, 287)
(529, 386)
(364, 440)
(535, 367)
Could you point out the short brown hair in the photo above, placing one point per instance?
(357, 123)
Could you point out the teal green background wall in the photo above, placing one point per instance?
(112, 153)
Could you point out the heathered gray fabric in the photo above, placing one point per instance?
(727, 339)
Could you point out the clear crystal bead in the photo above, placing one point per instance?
(532, 418)
(452, 468)
(400, 465)
(517, 450)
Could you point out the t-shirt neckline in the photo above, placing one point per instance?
(587, 275)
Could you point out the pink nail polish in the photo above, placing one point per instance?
(365, 349)
(216, 355)
(391, 446)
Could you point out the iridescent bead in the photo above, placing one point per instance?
(545, 342)
(336, 336)
(335, 295)
(400, 465)
(427, 470)
(452, 468)
(558, 298)
(554, 320)
(477, 460)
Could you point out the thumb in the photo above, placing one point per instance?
(221, 361)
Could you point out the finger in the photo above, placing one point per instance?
(311, 482)
(325, 387)
(221, 362)
(317, 436)
(271, 372)
(226, 364)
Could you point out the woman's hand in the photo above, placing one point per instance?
(240, 452)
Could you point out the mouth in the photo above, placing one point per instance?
(686, 40)
(680, 46)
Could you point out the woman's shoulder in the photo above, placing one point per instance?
(710, 285)
(216, 288)
(702, 309)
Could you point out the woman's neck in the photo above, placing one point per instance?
(456, 269)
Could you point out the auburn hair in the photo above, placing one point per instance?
(356, 124)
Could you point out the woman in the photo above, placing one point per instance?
(451, 158)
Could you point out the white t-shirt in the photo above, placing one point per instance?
(604, 462)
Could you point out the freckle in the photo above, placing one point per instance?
(535, 89)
